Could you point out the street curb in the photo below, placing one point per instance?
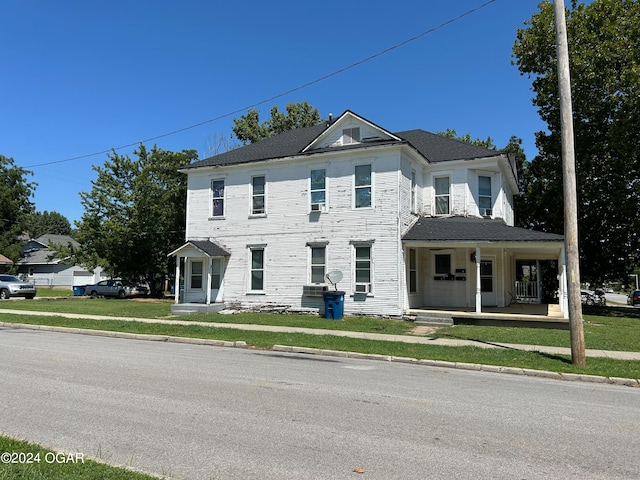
(628, 382)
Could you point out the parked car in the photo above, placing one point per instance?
(11, 286)
(115, 288)
(634, 297)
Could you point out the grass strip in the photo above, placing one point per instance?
(266, 340)
(30, 461)
(600, 333)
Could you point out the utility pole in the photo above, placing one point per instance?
(569, 188)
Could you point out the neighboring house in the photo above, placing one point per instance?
(411, 219)
(41, 264)
(4, 263)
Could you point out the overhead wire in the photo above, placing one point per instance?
(275, 97)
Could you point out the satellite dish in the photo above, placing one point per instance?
(333, 277)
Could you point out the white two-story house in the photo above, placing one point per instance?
(410, 219)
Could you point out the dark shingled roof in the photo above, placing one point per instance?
(435, 148)
(471, 229)
(210, 248)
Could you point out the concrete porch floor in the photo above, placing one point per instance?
(517, 314)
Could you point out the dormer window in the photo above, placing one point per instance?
(350, 135)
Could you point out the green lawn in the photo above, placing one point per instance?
(33, 462)
(265, 340)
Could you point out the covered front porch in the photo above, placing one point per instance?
(199, 277)
(474, 266)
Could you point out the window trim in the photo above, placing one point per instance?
(369, 186)
(324, 206)
(311, 247)
(414, 191)
(412, 268)
(252, 213)
(490, 196)
(213, 198)
(354, 260)
(348, 137)
(450, 254)
(251, 249)
(193, 275)
(436, 196)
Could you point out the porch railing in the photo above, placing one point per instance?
(526, 289)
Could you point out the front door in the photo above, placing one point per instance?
(487, 283)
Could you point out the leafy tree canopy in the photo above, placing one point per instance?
(15, 205)
(41, 223)
(452, 133)
(604, 49)
(135, 214)
(248, 128)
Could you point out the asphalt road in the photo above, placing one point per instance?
(199, 412)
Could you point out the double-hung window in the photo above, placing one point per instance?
(442, 194)
(318, 189)
(363, 186)
(413, 271)
(256, 267)
(484, 195)
(363, 268)
(318, 263)
(258, 205)
(217, 194)
(414, 207)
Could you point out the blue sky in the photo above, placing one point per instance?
(80, 77)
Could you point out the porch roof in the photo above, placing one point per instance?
(209, 248)
(473, 229)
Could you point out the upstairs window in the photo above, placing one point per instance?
(414, 207)
(362, 186)
(217, 193)
(318, 190)
(350, 135)
(484, 195)
(258, 196)
(442, 187)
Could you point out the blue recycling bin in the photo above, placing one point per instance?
(78, 291)
(333, 304)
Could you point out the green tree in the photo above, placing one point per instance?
(41, 223)
(248, 128)
(452, 133)
(604, 48)
(135, 214)
(15, 205)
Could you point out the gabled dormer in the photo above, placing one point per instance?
(350, 130)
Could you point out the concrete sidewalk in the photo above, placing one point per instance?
(415, 339)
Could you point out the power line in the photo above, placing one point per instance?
(275, 97)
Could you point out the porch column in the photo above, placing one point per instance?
(176, 286)
(563, 296)
(478, 286)
(209, 264)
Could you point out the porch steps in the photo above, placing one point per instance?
(434, 319)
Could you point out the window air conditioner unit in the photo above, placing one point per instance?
(486, 212)
(313, 290)
(317, 207)
(363, 287)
